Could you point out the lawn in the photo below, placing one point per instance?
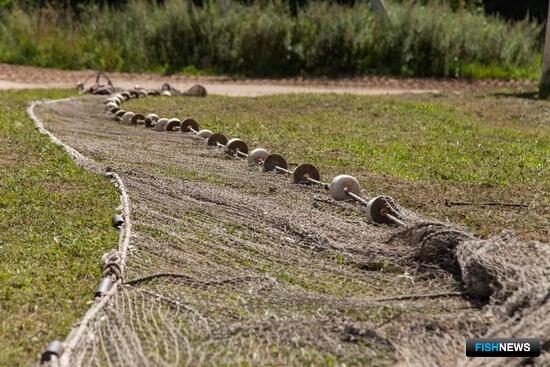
(54, 227)
(425, 150)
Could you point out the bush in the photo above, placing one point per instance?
(262, 39)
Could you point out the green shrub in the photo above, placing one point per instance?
(263, 39)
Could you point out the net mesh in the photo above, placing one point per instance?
(228, 265)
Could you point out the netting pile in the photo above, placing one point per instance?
(514, 277)
(97, 88)
(229, 266)
(511, 278)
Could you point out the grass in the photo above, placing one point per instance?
(323, 39)
(55, 217)
(54, 227)
(423, 150)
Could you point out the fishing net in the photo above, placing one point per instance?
(228, 265)
(514, 277)
(510, 277)
(98, 88)
(196, 90)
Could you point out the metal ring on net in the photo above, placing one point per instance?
(204, 133)
(161, 123)
(110, 106)
(342, 185)
(117, 221)
(189, 125)
(118, 115)
(114, 110)
(115, 100)
(384, 209)
(173, 124)
(217, 139)
(138, 119)
(54, 349)
(257, 156)
(305, 174)
(127, 118)
(150, 120)
(379, 209)
(104, 286)
(236, 147)
(275, 162)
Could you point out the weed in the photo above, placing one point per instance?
(54, 227)
(262, 39)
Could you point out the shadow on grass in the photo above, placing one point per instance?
(525, 95)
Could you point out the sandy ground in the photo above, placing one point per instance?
(22, 77)
(229, 265)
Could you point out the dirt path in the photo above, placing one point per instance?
(22, 77)
(228, 265)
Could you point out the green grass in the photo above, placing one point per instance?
(323, 39)
(420, 149)
(407, 138)
(54, 227)
(55, 217)
(495, 71)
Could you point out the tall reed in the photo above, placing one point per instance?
(262, 39)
